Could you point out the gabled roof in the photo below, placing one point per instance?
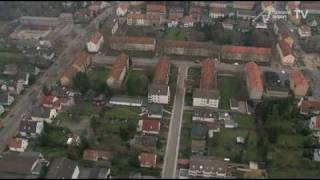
(188, 19)
(254, 76)
(207, 74)
(309, 106)
(96, 37)
(148, 159)
(156, 8)
(61, 168)
(28, 126)
(15, 143)
(90, 154)
(136, 16)
(47, 100)
(69, 73)
(309, 5)
(285, 48)
(298, 78)
(245, 50)
(119, 65)
(150, 125)
(80, 59)
(161, 71)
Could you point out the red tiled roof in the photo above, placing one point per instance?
(254, 76)
(310, 106)
(121, 62)
(161, 71)
(90, 154)
(207, 74)
(150, 125)
(285, 48)
(131, 40)
(70, 72)
(148, 159)
(243, 4)
(245, 50)
(47, 99)
(156, 8)
(183, 161)
(136, 16)
(80, 59)
(96, 37)
(15, 143)
(298, 78)
(188, 44)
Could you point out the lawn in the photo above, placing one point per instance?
(98, 75)
(291, 140)
(230, 87)
(122, 112)
(177, 34)
(244, 121)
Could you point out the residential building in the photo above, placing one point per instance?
(42, 114)
(228, 24)
(145, 143)
(291, 7)
(207, 167)
(155, 110)
(125, 100)
(18, 144)
(308, 107)
(199, 131)
(253, 80)
(157, 10)
(314, 126)
(190, 48)
(150, 126)
(63, 168)
(67, 77)
(30, 128)
(243, 26)
(206, 95)
(148, 160)
(13, 87)
(298, 83)
(285, 53)
(304, 31)
(219, 4)
(122, 9)
(159, 91)
(216, 12)
(95, 42)
(81, 61)
(204, 115)
(173, 22)
(118, 71)
(234, 54)
(23, 78)
(6, 99)
(24, 165)
(10, 69)
(97, 173)
(95, 155)
(132, 43)
(176, 12)
(137, 19)
(187, 22)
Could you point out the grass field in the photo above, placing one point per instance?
(244, 121)
(177, 34)
(122, 112)
(185, 136)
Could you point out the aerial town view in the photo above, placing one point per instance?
(159, 89)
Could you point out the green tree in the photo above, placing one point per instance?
(137, 84)
(81, 82)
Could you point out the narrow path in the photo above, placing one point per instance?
(172, 149)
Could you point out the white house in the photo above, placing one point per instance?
(314, 126)
(122, 10)
(285, 53)
(173, 22)
(158, 93)
(206, 98)
(95, 42)
(18, 144)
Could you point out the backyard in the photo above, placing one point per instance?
(185, 136)
(177, 34)
(192, 82)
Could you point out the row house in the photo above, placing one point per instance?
(207, 167)
(206, 95)
(298, 83)
(285, 53)
(232, 54)
(80, 63)
(157, 10)
(190, 48)
(159, 91)
(118, 71)
(95, 42)
(132, 43)
(254, 81)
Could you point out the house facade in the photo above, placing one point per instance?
(118, 71)
(95, 42)
(298, 83)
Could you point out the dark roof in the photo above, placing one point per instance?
(204, 93)
(274, 81)
(155, 109)
(40, 112)
(146, 140)
(199, 130)
(28, 126)
(61, 168)
(158, 89)
(204, 112)
(207, 163)
(17, 163)
(198, 145)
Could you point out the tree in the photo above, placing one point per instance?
(137, 84)
(94, 123)
(45, 90)
(134, 161)
(81, 82)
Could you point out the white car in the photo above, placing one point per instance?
(236, 64)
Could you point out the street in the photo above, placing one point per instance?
(173, 141)
(24, 102)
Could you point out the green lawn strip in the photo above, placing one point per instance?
(229, 88)
(122, 112)
(244, 121)
(185, 136)
(11, 58)
(98, 75)
(291, 140)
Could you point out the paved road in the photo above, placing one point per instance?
(172, 149)
(25, 101)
